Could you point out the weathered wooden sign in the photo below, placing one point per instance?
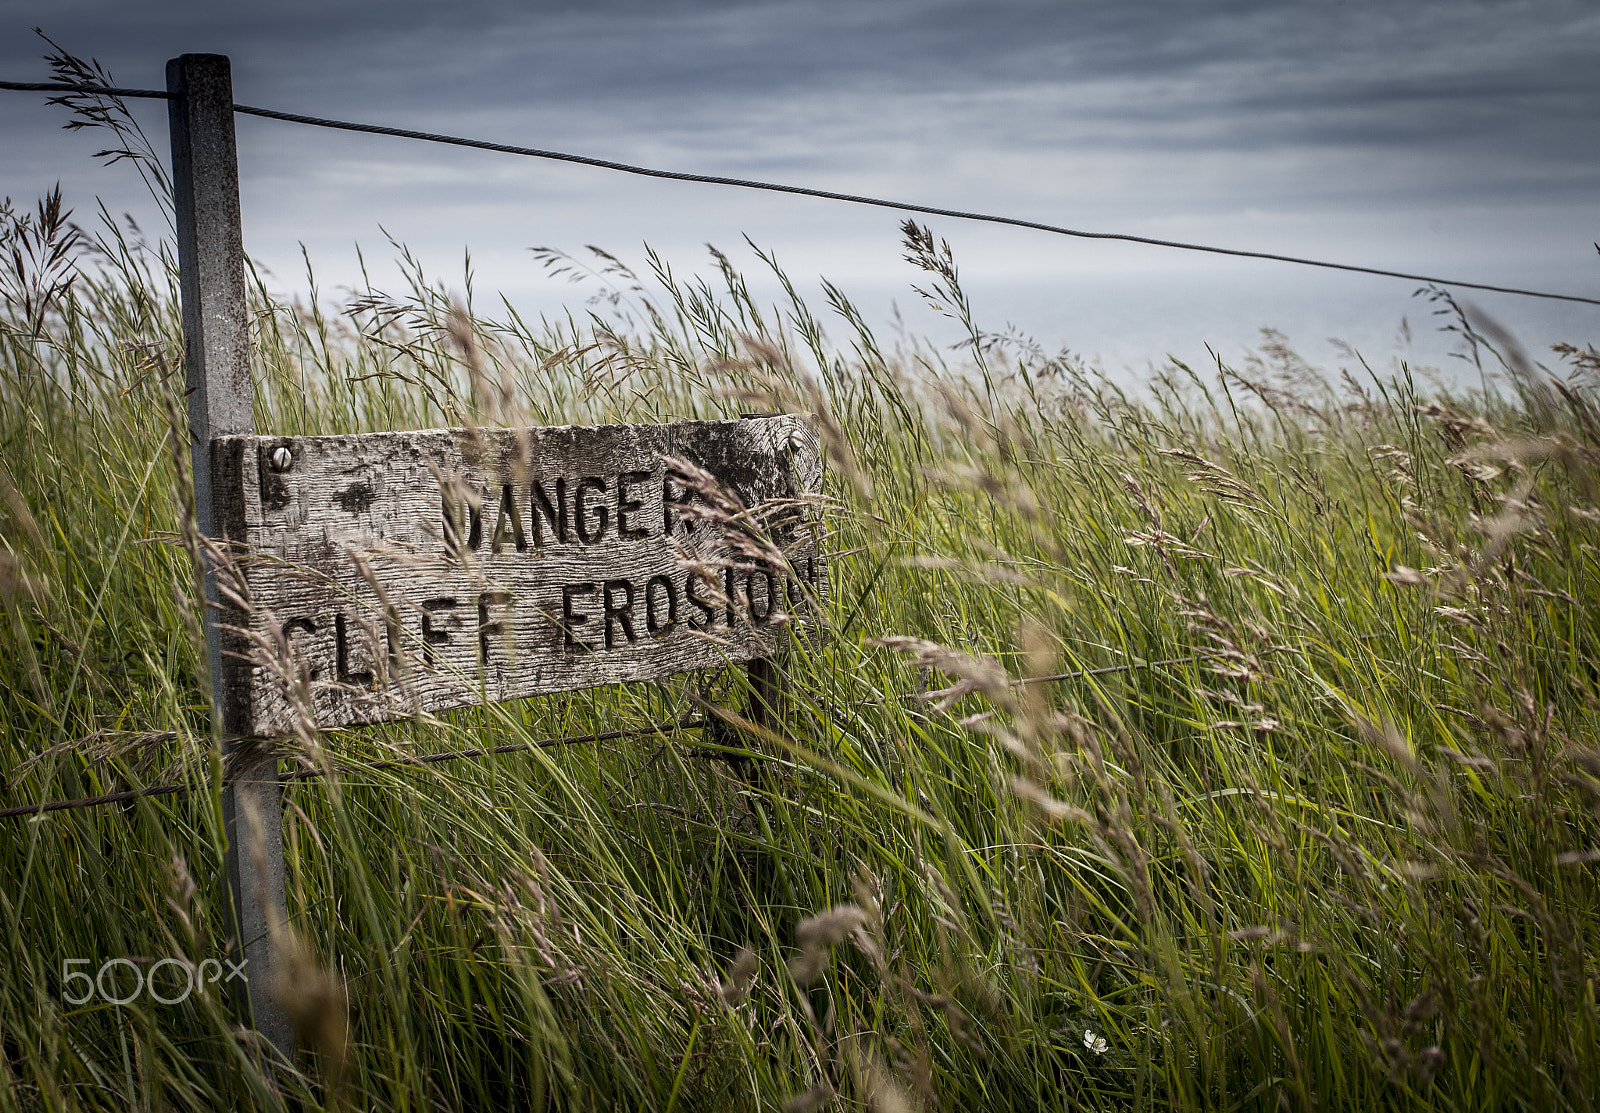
(388, 574)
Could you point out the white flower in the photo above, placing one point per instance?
(1094, 1043)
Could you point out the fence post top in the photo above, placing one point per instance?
(193, 65)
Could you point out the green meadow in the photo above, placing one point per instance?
(1224, 744)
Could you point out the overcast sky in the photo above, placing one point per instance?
(1438, 136)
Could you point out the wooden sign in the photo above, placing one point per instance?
(388, 574)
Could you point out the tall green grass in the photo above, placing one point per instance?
(1308, 819)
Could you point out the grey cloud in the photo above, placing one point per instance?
(1169, 112)
(1257, 72)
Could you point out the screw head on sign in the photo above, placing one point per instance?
(282, 459)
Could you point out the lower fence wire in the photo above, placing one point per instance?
(360, 767)
(515, 747)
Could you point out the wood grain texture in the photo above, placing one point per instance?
(389, 574)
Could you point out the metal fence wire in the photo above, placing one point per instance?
(802, 191)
